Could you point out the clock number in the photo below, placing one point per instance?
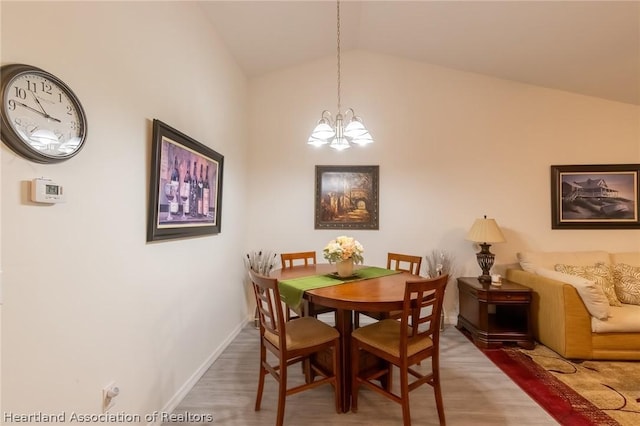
(12, 104)
(46, 87)
(74, 125)
(59, 96)
(69, 110)
(31, 86)
(21, 93)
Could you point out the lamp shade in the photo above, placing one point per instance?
(323, 130)
(485, 231)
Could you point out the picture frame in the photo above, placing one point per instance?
(182, 205)
(599, 196)
(346, 197)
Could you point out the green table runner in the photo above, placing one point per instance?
(291, 291)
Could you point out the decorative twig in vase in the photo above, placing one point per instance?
(261, 261)
(440, 262)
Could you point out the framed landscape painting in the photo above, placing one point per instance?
(346, 197)
(185, 193)
(601, 196)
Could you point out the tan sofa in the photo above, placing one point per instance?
(560, 319)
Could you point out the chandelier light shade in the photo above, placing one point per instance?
(331, 130)
(485, 231)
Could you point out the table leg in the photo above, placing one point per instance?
(344, 324)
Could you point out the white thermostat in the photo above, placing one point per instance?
(44, 190)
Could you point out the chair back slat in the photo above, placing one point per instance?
(267, 297)
(289, 260)
(404, 262)
(422, 307)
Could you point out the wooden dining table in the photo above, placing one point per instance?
(382, 294)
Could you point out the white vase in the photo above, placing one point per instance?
(345, 268)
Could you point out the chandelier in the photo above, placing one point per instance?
(333, 131)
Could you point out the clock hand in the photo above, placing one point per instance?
(42, 108)
(38, 102)
(52, 118)
(31, 108)
(44, 114)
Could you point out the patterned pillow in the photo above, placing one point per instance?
(599, 273)
(627, 283)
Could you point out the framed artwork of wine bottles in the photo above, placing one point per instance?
(185, 194)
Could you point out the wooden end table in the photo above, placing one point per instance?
(495, 314)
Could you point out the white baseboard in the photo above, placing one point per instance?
(190, 383)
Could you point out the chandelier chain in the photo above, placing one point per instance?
(338, 51)
(339, 131)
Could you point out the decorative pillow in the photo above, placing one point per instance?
(532, 260)
(599, 273)
(591, 293)
(626, 280)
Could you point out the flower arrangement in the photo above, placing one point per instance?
(344, 248)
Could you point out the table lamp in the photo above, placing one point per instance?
(485, 231)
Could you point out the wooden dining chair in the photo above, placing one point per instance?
(291, 342)
(289, 260)
(403, 344)
(397, 262)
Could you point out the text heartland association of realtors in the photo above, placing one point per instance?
(120, 417)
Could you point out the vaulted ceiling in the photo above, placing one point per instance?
(586, 47)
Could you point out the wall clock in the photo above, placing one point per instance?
(42, 119)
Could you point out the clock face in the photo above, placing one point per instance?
(42, 118)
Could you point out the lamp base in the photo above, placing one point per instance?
(484, 278)
(485, 260)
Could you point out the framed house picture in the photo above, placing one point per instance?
(601, 196)
(185, 194)
(347, 197)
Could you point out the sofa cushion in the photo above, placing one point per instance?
(626, 280)
(599, 273)
(624, 319)
(630, 258)
(591, 293)
(530, 260)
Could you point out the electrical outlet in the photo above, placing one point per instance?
(109, 392)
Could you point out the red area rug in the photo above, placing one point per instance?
(559, 400)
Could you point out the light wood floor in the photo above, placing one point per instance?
(475, 392)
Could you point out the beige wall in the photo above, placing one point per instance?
(451, 146)
(87, 300)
